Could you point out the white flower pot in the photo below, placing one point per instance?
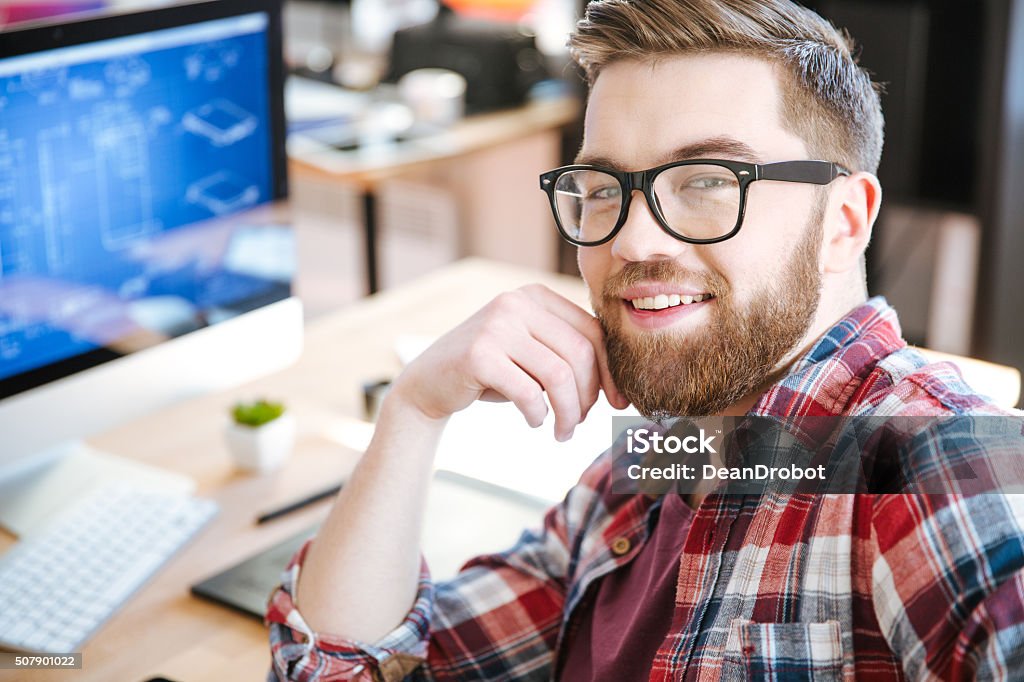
(262, 448)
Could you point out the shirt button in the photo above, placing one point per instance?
(620, 546)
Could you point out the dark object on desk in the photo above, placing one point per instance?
(373, 397)
(499, 63)
(297, 504)
(246, 587)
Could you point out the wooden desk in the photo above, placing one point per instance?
(365, 169)
(163, 630)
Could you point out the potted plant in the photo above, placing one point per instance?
(261, 435)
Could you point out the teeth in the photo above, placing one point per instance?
(662, 301)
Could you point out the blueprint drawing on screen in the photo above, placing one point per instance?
(113, 156)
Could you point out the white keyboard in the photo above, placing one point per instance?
(59, 585)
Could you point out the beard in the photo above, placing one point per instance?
(669, 374)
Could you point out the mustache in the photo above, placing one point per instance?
(662, 271)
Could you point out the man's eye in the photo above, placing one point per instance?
(606, 192)
(710, 182)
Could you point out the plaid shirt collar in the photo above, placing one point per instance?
(824, 379)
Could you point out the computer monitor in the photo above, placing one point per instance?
(134, 151)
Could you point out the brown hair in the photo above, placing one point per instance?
(829, 101)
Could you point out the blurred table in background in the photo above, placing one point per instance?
(488, 162)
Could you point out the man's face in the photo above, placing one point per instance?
(760, 289)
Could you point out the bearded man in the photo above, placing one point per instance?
(721, 201)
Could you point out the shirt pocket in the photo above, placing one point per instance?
(783, 652)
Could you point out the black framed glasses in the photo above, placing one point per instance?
(699, 201)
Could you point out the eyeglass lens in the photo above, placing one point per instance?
(700, 201)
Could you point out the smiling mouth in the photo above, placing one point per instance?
(664, 301)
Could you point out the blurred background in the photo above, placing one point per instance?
(431, 120)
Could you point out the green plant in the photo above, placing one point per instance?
(256, 413)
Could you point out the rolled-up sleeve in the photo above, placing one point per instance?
(299, 653)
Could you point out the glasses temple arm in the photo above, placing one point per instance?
(814, 172)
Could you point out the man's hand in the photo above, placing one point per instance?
(521, 345)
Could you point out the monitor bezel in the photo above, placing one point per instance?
(68, 31)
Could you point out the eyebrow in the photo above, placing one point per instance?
(714, 147)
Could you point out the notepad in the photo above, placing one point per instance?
(464, 518)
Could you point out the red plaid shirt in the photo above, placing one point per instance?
(776, 587)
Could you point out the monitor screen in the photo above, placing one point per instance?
(121, 161)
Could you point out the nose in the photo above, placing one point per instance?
(641, 237)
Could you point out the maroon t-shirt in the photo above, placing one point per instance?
(624, 623)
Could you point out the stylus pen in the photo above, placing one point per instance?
(296, 505)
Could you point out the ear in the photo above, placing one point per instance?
(853, 209)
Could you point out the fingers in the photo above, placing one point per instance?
(587, 325)
(551, 351)
(575, 349)
(556, 376)
(521, 346)
(510, 381)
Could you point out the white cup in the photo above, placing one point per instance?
(436, 96)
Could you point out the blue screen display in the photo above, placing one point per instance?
(117, 161)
